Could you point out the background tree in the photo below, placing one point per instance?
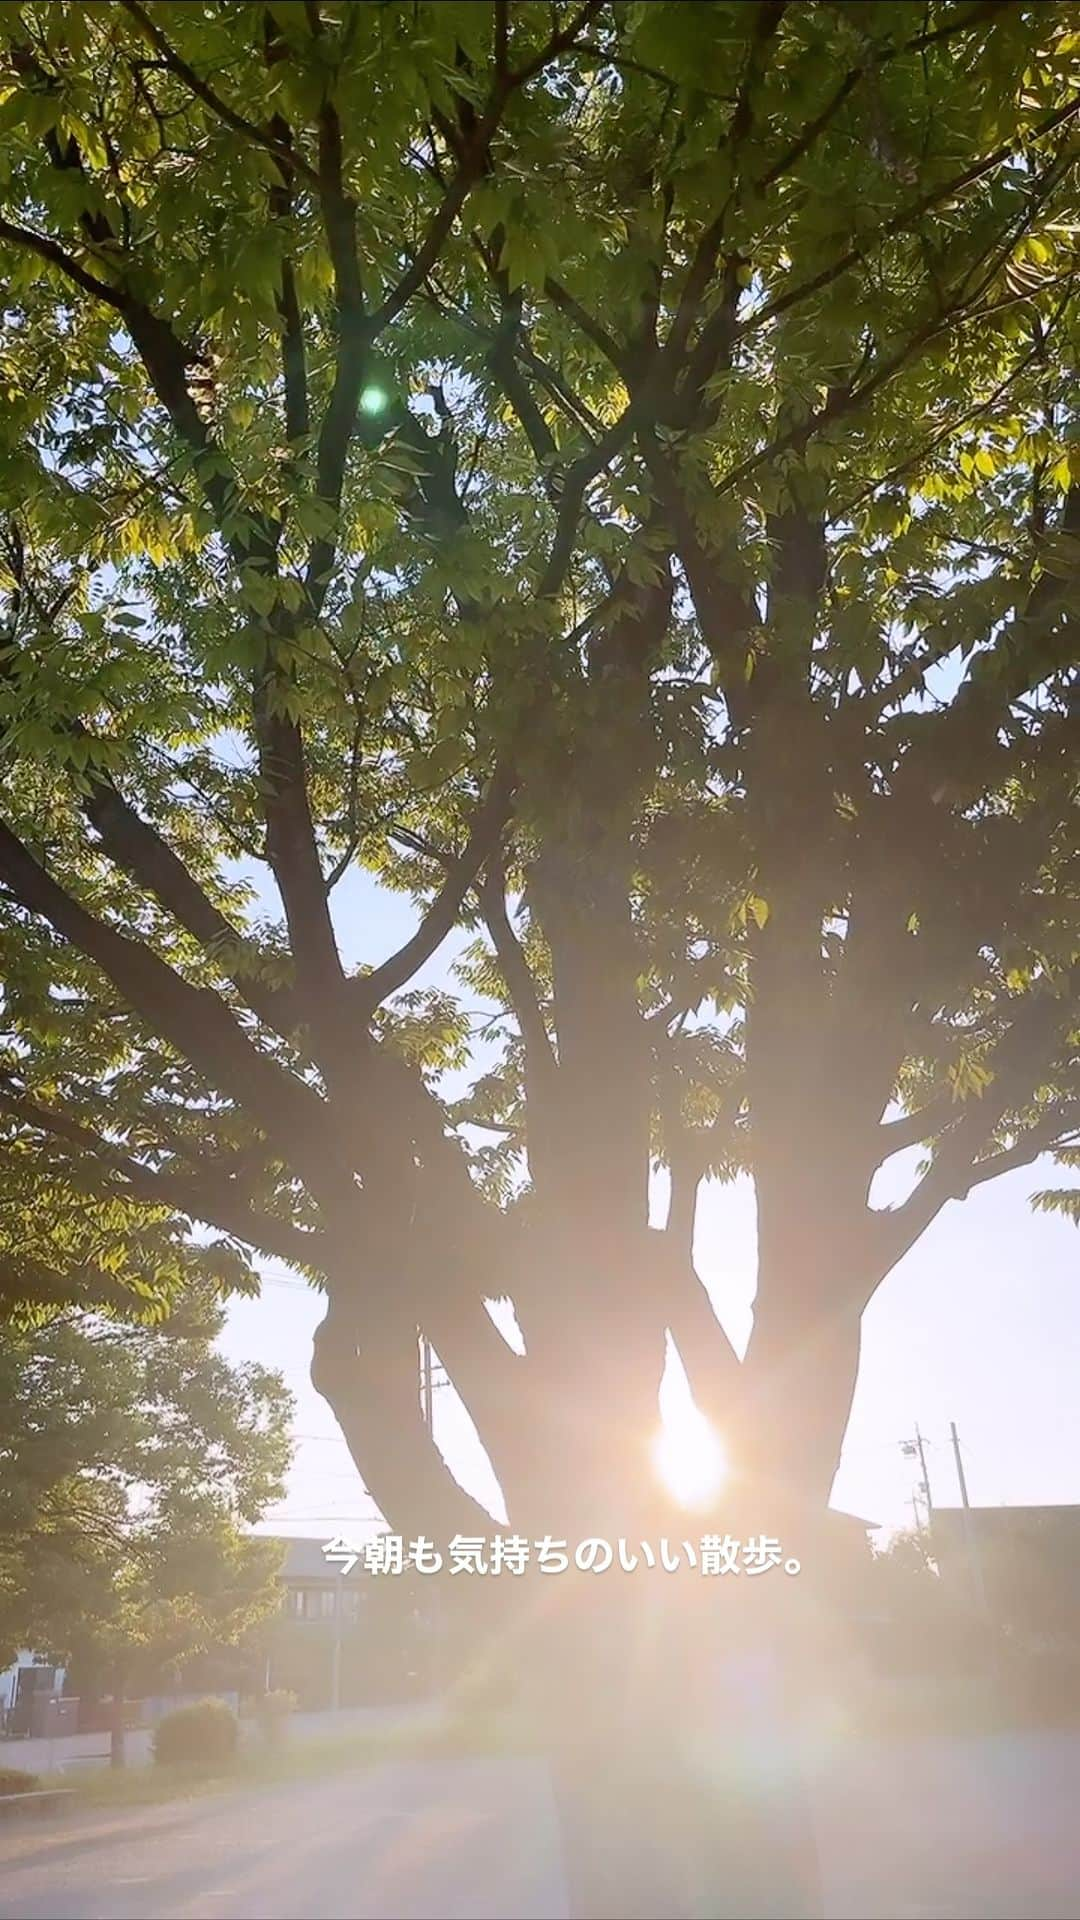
(133, 1461)
(606, 471)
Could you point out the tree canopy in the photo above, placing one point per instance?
(608, 472)
(132, 1462)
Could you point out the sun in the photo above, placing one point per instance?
(689, 1456)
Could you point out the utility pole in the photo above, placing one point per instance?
(925, 1475)
(916, 1450)
(964, 1501)
(335, 1670)
(974, 1558)
(426, 1383)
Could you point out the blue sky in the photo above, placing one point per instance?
(979, 1324)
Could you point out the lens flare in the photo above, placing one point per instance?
(689, 1457)
(374, 400)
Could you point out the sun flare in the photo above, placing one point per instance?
(689, 1457)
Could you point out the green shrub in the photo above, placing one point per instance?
(15, 1780)
(207, 1731)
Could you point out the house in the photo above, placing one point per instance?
(26, 1688)
(315, 1590)
(346, 1639)
(1018, 1565)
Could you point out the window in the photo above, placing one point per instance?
(317, 1603)
(310, 1603)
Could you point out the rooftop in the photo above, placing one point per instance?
(304, 1558)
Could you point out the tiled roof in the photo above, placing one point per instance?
(304, 1559)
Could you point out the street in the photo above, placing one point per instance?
(980, 1827)
(454, 1839)
(918, 1829)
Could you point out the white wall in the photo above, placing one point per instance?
(9, 1675)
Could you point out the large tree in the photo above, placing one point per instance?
(606, 470)
(133, 1462)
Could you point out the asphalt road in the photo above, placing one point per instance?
(965, 1828)
(440, 1840)
(985, 1829)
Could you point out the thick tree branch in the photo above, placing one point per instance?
(352, 351)
(207, 1195)
(372, 1392)
(490, 818)
(912, 1129)
(293, 359)
(192, 1018)
(587, 324)
(686, 1156)
(503, 360)
(1057, 1131)
(291, 846)
(1016, 1064)
(547, 377)
(957, 742)
(902, 221)
(712, 1365)
(210, 98)
(574, 483)
(541, 1067)
(142, 853)
(50, 251)
(517, 978)
(473, 158)
(25, 1280)
(728, 616)
(562, 41)
(766, 22)
(876, 57)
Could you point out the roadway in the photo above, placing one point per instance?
(927, 1829)
(460, 1840)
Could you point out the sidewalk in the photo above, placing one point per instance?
(77, 1752)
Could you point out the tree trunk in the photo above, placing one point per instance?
(800, 1372)
(674, 1743)
(669, 1706)
(117, 1742)
(817, 1268)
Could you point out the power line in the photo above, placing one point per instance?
(337, 1473)
(342, 1519)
